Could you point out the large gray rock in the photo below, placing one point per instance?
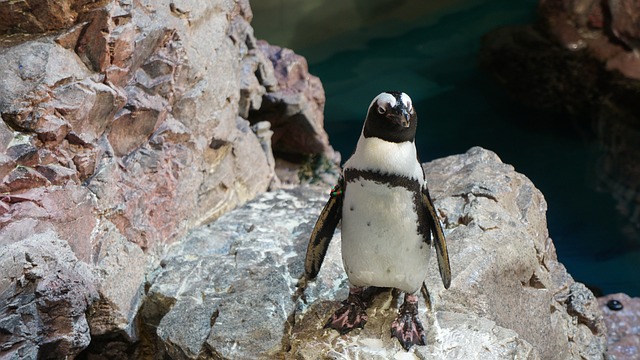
(43, 287)
(229, 283)
(232, 282)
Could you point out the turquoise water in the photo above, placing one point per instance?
(360, 48)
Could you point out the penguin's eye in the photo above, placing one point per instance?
(381, 110)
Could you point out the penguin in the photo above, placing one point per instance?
(389, 222)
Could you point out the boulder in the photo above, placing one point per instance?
(509, 297)
(45, 292)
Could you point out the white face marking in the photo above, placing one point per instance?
(406, 100)
(385, 100)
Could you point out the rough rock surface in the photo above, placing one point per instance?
(509, 297)
(580, 59)
(43, 287)
(124, 125)
(295, 110)
(623, 326)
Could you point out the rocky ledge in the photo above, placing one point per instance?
(227, 290)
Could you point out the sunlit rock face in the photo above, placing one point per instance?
(234, 281)
(124, 125)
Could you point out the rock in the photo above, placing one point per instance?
(234, 278)
(295, 108)
(622, 321)
(103, 93)
(120, 269)
(65, 210)
(45, 292)
(509, 297)
(38, 16)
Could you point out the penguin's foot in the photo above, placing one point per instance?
(352, 313)
(406, 327)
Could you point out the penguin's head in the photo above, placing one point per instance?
(391, 117)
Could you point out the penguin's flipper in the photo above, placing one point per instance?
(438, 236)
(323, 231)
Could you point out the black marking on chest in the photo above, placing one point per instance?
(392, 180)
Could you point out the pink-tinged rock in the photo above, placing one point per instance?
(627, 63)
(4, 207)
(120, 270)
(70, 211)
(51, 129)
(92, 46)
(88, 107)
(6, 135)
(133, 126)
(57, 174)
(625, 21)
(37, 16)
(622, 319)
(6, 165)
(69, 38)
(121, 51)
(22, 149)
(85, 163)
(22, 178)
(126, 126)
(295, 108)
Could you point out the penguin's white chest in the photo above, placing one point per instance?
(381, 245)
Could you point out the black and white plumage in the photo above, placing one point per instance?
(388, 219)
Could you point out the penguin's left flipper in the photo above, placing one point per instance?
(438, 237)
(323, 232)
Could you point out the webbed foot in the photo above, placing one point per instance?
(406, 327)
(351, 315)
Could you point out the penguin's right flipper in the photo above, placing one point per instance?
(323, 231)
(438, 237)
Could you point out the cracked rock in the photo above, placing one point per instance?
(509, 297)
(53, 290)
(231, 281)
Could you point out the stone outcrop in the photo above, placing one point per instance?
(509, 297)
(124, 125)
(580, 59)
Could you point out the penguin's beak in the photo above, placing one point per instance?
(400, 116)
